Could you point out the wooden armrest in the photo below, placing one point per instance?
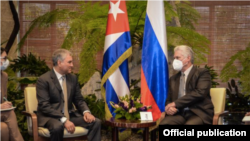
(217, 116)
(34, 123)
(32, 115)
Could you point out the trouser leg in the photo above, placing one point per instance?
(56, 129)
(94, 128)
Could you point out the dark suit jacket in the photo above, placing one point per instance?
(197, 96)
(50, 97)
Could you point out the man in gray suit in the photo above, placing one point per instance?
(56, 112)
(188, 101)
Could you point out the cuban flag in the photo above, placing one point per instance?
(117, 49)
(154, 65)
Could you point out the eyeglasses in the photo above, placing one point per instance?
(4, 57)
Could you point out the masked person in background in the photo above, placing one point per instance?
(9, 127)
(188, 101)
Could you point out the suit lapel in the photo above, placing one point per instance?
(68, 83)
(56, 82)
(190, 75)
(177, 83)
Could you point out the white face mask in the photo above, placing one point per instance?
(177, 64)
(5, 64)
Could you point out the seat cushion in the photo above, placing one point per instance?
(79, 131)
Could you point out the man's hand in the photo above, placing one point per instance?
(88, 117)
(172, 104)
(168, 106)
(6, 105)
(69, 126)
(247, 114)
(170, 109)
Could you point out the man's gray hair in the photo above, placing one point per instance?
(59, 54)
(186, 51)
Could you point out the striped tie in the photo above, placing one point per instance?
(182, 85)
(64, 86)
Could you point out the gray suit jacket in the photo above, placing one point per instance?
(50, 97)
(197, 96)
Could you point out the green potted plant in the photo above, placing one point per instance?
(236, 101)
(230, 70)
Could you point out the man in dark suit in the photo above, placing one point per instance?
(188, 101)
(56, 112)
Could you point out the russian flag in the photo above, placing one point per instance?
(117, 49)
(154, 66)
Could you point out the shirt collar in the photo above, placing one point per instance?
(186, 72)
(58, 75)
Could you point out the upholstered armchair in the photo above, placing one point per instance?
(218, 96)
(40, 133)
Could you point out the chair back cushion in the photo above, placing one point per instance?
(218, 96)
(30, 99)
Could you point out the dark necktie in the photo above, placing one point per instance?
(66, 112)
(182, 85)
